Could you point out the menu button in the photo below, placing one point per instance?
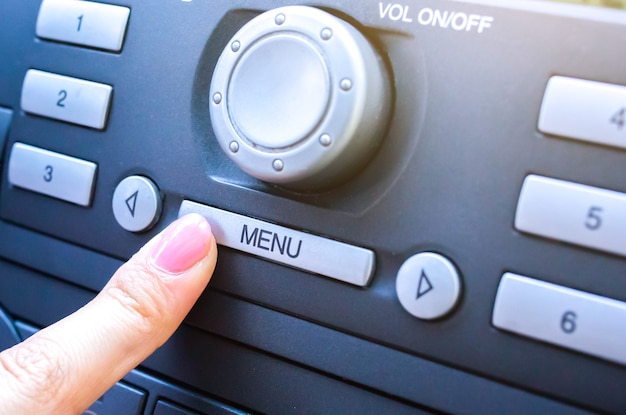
(286, 246)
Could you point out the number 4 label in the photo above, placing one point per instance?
(619, 118)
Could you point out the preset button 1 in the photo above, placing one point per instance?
(83, 23)
(304, 251)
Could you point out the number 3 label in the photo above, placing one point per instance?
(48, 175)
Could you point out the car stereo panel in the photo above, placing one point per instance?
(399, 190)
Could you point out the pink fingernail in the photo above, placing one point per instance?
(184, 243)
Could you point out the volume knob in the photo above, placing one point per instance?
(299, 98)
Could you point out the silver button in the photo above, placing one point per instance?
(574, 213)
(428, 286)
(83, 23)
(136, 204)
(288, 77)
(304, 251)
(53, 174)
(66, 99)
(563, 316)
(584, 110)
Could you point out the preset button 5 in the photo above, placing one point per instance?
(574, 213)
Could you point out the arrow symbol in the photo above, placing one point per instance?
(424, 286)
(131, 203)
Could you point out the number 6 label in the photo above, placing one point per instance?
(568, 322)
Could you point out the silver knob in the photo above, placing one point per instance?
(299, 98)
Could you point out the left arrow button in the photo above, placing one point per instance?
(136, 204)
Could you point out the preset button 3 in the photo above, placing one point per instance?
(53, 174)
(304, 251)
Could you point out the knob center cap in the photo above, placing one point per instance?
(279, 91)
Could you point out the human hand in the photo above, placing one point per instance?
(52, 372)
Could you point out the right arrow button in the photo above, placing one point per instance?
(428, 286)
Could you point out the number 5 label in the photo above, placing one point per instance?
(594, 220)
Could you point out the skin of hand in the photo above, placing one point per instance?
(67, 366)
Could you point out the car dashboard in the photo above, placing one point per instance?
(419, 206)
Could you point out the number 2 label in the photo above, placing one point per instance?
(62, 96)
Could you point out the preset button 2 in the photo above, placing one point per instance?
(67, 99)
(301, 250)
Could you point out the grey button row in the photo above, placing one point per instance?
(286, 246)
